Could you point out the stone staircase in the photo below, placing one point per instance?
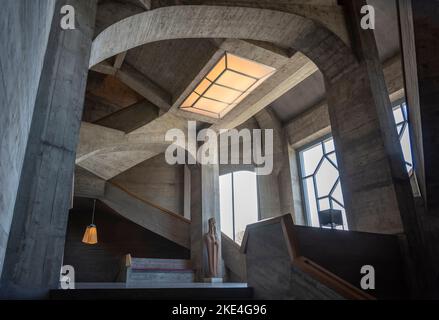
(155, 279)
(155, 273)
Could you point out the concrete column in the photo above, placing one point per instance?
(376, 186)
(36, 243)
(270, 201)
(375, 183)
(21, 62)
(268, 196)
(187, 193)
(204, 205)
(419, 33)
(426, 29)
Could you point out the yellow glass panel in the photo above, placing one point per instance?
(203, 86)
(217, 69)
(210, 105)
(222, 94)
(248, 67)
(190, 100)
(226, 85)
(235, 80)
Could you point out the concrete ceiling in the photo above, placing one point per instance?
(173, 64)
(157, 74)
(300, 98)
(312, 90)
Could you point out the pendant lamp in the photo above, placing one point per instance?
(91, 233)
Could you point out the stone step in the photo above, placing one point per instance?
(146, 271)
(149, 276)
(139, 264)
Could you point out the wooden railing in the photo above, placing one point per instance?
(149, 203)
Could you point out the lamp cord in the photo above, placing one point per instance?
(93, 216)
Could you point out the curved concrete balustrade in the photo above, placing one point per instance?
(286, 30)
(179, 22)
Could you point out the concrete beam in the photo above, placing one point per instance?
(119, 60)
(144, 86)
(136, 81)
(146, 4)
(130, 118)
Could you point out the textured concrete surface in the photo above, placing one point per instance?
(357, 108)
(270, 272)
(204, 205)
(166, 224)
(36, 242)
(291, 72)
(375, 183)
(24, 30)
(420, 45)
(156, 181)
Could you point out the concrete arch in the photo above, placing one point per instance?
(324, 48)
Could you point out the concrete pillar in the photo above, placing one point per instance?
(204, 205)
(187, 193)
(268, 196)
(419, 33)
(21, 62)
(36, 243)
(426, 29)
(270, 200)
(375, 183)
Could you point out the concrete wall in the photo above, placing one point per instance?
(157, 182)
(116, 238)
(24, 31)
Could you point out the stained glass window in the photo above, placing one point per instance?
(321, 180)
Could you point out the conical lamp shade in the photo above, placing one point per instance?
(90, 235)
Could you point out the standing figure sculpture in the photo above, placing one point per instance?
(212, 246)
